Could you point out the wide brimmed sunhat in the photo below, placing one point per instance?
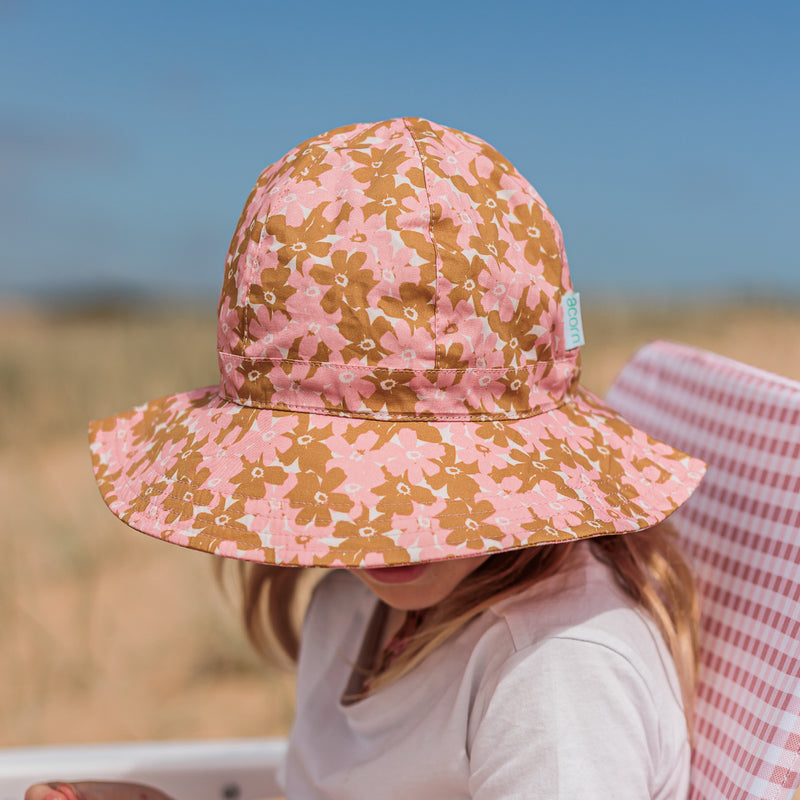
(398, 375)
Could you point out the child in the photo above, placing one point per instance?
(398, 347)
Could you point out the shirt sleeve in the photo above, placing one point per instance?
(565, 719)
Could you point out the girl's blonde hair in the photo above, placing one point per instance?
(647, 565)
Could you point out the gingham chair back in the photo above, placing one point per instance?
(742, 531)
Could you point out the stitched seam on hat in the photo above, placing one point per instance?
(393, 370)
(600, 482)
(248, 310)
(436, 257)
(464, 549)
(423, 416)
(280, 538)
(509, 517)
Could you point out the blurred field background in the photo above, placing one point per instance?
(110, 635)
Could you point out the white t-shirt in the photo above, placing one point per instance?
(564, 691)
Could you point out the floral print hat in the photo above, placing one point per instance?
(397, 381)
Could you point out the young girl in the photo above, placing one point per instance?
(398, 347)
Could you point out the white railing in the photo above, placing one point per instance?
(233, 769)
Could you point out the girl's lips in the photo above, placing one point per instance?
(395, 574)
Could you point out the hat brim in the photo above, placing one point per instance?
(305, 489)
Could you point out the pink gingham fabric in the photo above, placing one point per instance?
(742, 530)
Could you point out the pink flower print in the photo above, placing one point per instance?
(547, 504)
(345, 195)
(500, 434)
(355, 460)
(267, 436)
(596, 497)
(488, 486)
(652, 473)
(399, 263)
(309, 240)
(226, 514)
(461, 438)
(228, 325)
(377, 167)
(421, 534)
(296, 203)
(363, 439)
(486, 353)
(612, 437)
(386, 198)
(408, 454)
(168, 456)
(643, 496)
(457, 162)
(316, 496)
(472, 449)
(371, 559)
(489, 460)
(483, 166)
(579, 476)
(290, 547)
(397, 270)
(643, 443)
(462, 327)
(346, 388)
(447, 390)
(407, 348)
(356, 445)
(457, 213)
(481, 389)
(511, 484)
(468, 325)
(684, 470)
(364, 236)
(228, 549)
(577, 440)
(303, 549)
(359, 490)
(287, 387)
(272, 334)
(510, 184)
(313, 326)
(503, 289)
(256, 555)
(557, 451)
(416, 213)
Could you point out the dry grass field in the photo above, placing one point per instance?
(110, 635)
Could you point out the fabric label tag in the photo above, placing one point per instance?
(573, 324)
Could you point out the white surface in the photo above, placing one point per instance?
(236, 769)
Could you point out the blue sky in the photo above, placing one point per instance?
(662, 135)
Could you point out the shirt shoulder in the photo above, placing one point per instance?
(578, 651)
(581, 602)
(579, 623)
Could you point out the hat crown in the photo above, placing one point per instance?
(397, 269)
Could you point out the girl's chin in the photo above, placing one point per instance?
(395, 575)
